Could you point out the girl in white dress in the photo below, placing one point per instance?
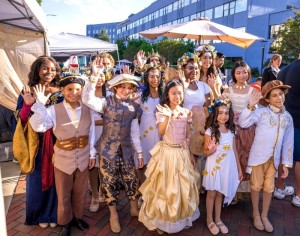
(222, 173)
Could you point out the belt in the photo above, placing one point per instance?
(72, 143)
(172, 145)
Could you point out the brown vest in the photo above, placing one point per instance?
(68, 161)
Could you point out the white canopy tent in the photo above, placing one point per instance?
(67, 44)
(22, 40)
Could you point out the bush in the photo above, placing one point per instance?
(255, 72)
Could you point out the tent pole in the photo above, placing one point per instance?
(118, 55)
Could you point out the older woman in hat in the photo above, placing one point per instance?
(274, 138)
(120, 129)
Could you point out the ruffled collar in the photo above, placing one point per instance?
(277, 110)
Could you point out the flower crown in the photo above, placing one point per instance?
(185, 58)
(205, 48)
(219, 102)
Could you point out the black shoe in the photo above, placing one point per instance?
(66, 231)
(80, 224)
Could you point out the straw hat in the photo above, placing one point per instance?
(268, 87)
(122, 79)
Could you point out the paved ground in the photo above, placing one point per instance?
(284, 216)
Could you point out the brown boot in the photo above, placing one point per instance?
(115, 225)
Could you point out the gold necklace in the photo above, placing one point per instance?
(241, 86)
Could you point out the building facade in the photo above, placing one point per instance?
(259, 17)
(111, 30)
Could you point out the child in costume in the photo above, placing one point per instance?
(120, 130)
(222, 173)
(170, 192)
(41, 198)
(74, 153)
(274, 137)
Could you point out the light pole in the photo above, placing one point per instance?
(263, 44)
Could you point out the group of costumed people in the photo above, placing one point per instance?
(152, 132)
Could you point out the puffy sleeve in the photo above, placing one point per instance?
(89, 98)
(248, 118)
(208, 131)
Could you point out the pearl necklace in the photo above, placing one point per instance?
(241, 86)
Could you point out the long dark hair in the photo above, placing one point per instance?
(240, 64)
(212, 122)
(33, 75)
(146, 92)
(212, 69)
(171, 83)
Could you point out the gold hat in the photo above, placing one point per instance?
(122, 79)
(268, 87)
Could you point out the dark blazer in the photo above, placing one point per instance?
(268, 75)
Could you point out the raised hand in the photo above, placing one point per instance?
(141, 58)
(27, 96)
(212, 145)
(97, 66)
(126, 70)
(39, 91)
(211, 80)
(164, 110)
(254, 98)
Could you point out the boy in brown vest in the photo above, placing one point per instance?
(73, 153)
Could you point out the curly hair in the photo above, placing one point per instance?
(107, 55)
(170, 84)
(212, 122)
(33, 75)
(146, 92)
(240, 64)
(212, 69)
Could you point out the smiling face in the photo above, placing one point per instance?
(223, 115)
(154, 78)
(47, 72)
(276, 98)
(206, 60)
(175, 95)
(241, 75)
(124, 90)
(72, 92)
(101, 80)
(191, 71)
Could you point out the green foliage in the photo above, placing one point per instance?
(255, 72)
(133, 46)
(103, 35)
(39, 2)
(173, 49)
(287, 41)
(228, 64)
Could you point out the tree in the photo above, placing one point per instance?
(287, 41)
(133, 46)
(103, 35)
(39, 2)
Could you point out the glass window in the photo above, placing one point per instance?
(219, 11)
(231, 8)
(193, 16)
(273, 31)
(186, 19)
(241, 5)
(192, 1)
(175, 6)
(169, 8)
(186, 2)
(209, 13)
(226, 9)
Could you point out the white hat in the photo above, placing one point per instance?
(122, 79)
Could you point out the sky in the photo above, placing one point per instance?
(72, 16)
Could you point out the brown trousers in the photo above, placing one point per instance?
(71, 191)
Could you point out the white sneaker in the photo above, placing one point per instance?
(94, 206)
(281, 193)
(44, 225)
(296, 201)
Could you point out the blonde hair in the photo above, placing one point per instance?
(107, 55)
(274, 58)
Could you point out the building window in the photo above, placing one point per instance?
(186, 19)
(175, 6)
(209, 13)
(226, 9)
(219, 11)
(231, 8)
(169, 8)
(273, 31)
(186, 2)
(241, 5)
(193, 16)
